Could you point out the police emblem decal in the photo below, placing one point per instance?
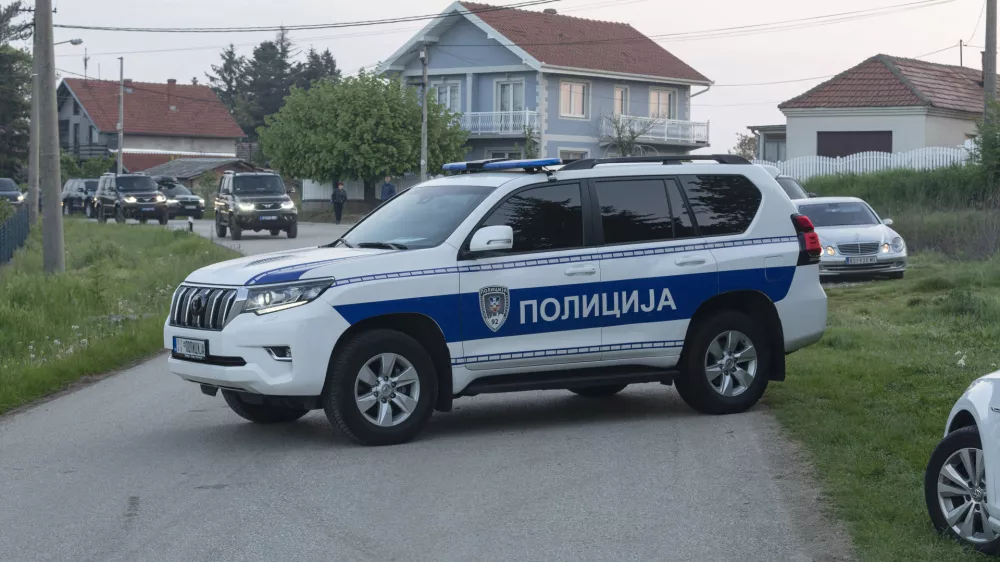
(494, 303)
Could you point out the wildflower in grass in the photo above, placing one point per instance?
(83, 341)
(74, 327)
(57, 342)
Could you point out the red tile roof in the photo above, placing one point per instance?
(560, 40)
(886, 81)
(140, 162)
(199, 112)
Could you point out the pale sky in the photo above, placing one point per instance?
(770, 57)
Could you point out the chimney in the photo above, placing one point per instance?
(128, 85)
(171, 84)
(551, 11)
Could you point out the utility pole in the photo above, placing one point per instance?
(33, 134)
(53, 257)
(121, 112)
(961, 51)
(990, 58)
(423, 123)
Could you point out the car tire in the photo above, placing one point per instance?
(119, 215)
(896, 275)
(261, 413)
(102, 217)
(65, 208)
(293, 231)
(949, 451)
(275, 232)
(198, 216)
(345, 384)
(143, 220)
(234, 229)
(598, 391)
(716, 388)
(164, 218)
(88, 210)
(220, 229)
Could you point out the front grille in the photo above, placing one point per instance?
(203, 308)
(858, 248)
(146, 199)
(268, 206)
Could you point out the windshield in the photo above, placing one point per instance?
(175, 189)
(792, 187)
(7, 184)
(839, 214)
(420, 217)
(135, 183)
(253, 185)
(90, 185)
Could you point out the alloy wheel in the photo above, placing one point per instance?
(387, 389)
(731, 363)
(961, 494)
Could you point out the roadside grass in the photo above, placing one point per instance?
(105, 312)
(870, 400)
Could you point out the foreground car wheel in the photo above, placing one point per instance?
(598, 391)
(260, 413)
(955, 491)
(381, 388)
(727, 368)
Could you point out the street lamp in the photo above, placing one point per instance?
(71, 42)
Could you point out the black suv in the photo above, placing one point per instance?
(10, 192)
(180, 201)
(254, 201)
(78, 195)
(130, 196)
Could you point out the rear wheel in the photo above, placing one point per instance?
(598, 391)
(725, 365)
(261, 413)
(293, 230)
(234, 228)
(275, 232)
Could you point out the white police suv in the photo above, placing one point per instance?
(508, 276)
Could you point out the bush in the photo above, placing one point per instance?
(901, 191)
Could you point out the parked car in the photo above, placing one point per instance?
(180, 201)
(960, 483)
(789, 184)
(10, 192)
(78, 196)
(254, 201)
(856, 242)
(605, 273)
(130, 196)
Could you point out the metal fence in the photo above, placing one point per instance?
(805, 167)
(13, 233)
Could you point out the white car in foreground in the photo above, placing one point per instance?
(856, 242)
(960, 484)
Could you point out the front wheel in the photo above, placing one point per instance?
(381, 388)
(725, 365)
(102, 217)
(261, 413)
(598, 391)
(65, 208)
(220, 229)
(234, 228)
(88, 210)
(119, 215)
(293, 230)
(164, 218)
(275, 232)
(955, 491)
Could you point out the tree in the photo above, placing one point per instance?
(362, 127)
(746, 146)
(229, 80)
(15, 111)
(624, 131)
(318, 66)
(985, 152)
(11, 30)
(90, 168)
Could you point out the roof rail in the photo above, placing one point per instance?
(529, 165)
(589, 163)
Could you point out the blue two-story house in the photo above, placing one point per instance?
(568, 83)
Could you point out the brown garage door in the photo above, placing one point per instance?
(845, 143)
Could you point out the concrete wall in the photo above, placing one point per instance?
(948, 131)
(908, 129)
(322, 191)
(186, 144)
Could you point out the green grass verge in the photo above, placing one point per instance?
(870, 400)
(106, 310)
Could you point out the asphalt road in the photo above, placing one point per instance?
(142, 467)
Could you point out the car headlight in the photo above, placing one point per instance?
(830, 251)
(897, 244)
(245, 207)
(885, 248)
(201, 201)
(172, 202)
(20, 197)
(287, 205)
(130, 199)
(272, 298)
(160, 198)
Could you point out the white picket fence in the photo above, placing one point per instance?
(805, 167)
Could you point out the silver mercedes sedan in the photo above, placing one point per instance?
(856, 242)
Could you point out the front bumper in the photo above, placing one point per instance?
(260, 220)
(837, 266)
(184, 209)
(238, 358)
(144, 209)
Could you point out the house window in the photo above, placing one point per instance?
(449, 95)
(503, 153)
(94, 138)
(567, 155)
(76, 108)
(573, 99)
(846, 143)
(662, 104)
(76, 135)
(621, 100)
(509, 96)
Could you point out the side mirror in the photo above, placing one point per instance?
(811, 194)
(887, 222)
(491, 238)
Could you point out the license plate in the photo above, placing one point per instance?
(862, 261)
(190, 348)
(147, 209)
(190, 206)
(268, 218)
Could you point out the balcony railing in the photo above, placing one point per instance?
(499, 122)
(658, 130)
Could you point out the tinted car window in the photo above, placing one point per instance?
(7, 184)
(683, 224)
(851, 213)
(254, 185)
(722, 204)
(175, 189)
(135, 183)
(791, 187)
(634, 211)
(543, 218)
(91, 185)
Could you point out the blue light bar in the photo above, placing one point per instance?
(484, 165)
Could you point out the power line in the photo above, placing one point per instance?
(336, 25)
(979, 19)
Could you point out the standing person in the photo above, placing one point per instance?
(388, 190)
(339, 198)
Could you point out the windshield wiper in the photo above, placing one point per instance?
(339, 241)
(382, 245)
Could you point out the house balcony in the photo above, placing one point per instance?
(656, 130)
(499, 123)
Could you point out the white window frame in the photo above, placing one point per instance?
(587, 96)
(627, 99)
(584, 151)
(672, 107)
(496, 94)
(449, 83)
(504, 149)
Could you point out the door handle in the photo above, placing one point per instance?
(581, 270)
(690, 260)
